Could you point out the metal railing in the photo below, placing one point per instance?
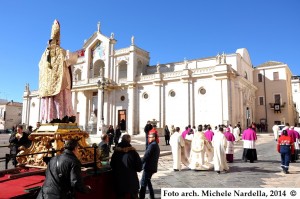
(52, 152)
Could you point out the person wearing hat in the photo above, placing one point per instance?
(63, 175)
(55, 82)
(230, 145)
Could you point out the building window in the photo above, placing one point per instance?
(172, 93)
(259, 77)
(275, 76)
(277, 98)
(245, 75)
(145, 96)
(261, 101)
(122, 98)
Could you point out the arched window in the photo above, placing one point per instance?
(98, 70)
(139, 69)
(123, 70)
(77, 75)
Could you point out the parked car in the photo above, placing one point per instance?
(281, 126)
(7, 131)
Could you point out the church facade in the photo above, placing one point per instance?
(117, 86)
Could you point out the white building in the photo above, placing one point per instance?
(213, 90)
(296, 95)
(10, 114)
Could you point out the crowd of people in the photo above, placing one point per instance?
(203, 149)
(287, 144)
(207, 149)
(126, 162)
(198, 148)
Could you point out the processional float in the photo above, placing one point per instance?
(48, 140)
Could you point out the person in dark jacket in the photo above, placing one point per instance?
(150, 163)
(125, 163)
(285, 147)
(147, 128)
(63, 175)
(117, 135)
(104, 147)
(167, 135)
(16, 140)
(110, 132)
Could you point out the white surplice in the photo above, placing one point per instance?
(201, 152)
(219, 143)
(177, 143)
(236, 133)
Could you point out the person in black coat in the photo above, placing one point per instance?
(150, 163)
(117, 135)
(110, 132)
(63, 175)
(125, 163)
(16, 140)
(167, 135)
(104, 147)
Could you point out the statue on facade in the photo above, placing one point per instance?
(132, 40)
(157, 68)
(98, 26)
(112, 35)
(218, 58)
(55, 80)
(27, 87)
(224, 58)
(186, 64)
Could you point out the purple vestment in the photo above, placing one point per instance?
(229, 136)
(249, 134)
(184, 133)
(209, 135)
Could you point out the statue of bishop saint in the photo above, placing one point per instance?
(55, 81)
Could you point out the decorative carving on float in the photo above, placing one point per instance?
(46, 144)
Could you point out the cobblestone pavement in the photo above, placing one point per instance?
(265, 173)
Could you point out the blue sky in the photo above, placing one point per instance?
(170, 30)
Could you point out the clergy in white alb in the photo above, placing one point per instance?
(177, 144)
(219, 143)
(201, 152)
(236, 133)
(275, 129)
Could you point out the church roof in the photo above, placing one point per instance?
(10, 103)
(270, 63)
(92, 38)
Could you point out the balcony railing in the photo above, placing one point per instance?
(282, 105)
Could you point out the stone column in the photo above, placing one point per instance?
(100, 122)
(131, 128)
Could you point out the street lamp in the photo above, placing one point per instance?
(102, 84)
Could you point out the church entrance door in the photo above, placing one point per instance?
(122, 119)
